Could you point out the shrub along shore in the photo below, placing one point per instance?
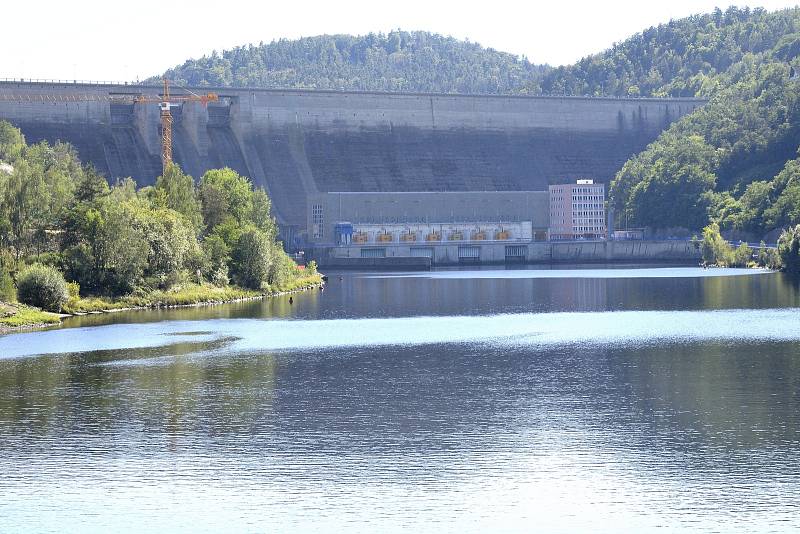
(193, 295)
(718, 252)
(71, 243)
(16, 316)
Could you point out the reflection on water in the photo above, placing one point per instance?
(541, 330)
(504, 409)
(576, 273)
(350, 295)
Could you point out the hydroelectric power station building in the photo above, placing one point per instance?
(427, 165)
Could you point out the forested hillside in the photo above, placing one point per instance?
(679, 58)
(733, 161)
(397, 61)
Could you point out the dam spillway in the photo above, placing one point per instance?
(297, 143)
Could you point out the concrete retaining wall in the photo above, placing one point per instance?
(489, 253)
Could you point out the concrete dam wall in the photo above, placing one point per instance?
(296, 143)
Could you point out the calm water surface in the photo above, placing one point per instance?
(520, 400)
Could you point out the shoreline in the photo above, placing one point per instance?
(156, 305)
(161, 306)
(19, 317)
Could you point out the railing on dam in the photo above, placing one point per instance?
(72, 82)
(355, 91)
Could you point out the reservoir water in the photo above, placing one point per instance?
(608, 400)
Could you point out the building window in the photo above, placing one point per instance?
(317, 221)
(373, 252)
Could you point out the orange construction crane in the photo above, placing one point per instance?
(165, 102)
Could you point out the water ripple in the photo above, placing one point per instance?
(543, 329)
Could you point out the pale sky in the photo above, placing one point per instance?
(117, 40)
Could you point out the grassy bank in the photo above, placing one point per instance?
(185, 296)
(19, 316)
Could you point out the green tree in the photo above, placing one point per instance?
(80, 244)
(91, 186)
(42, 286)
(667, 186)
(176, 191)
(783, 206)
(678, 58)
(715, 250)
(768, 257)
(261, 214)
(253, 256)
(282, 269)
(7, 289)
(789, 250)
(122, 248)
(35, 196)
(742, 256)
(225, 194)
(12, 142)
(229, 231)
(217, 258)
(173, 247)
(753, 204)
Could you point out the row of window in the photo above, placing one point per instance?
(317, 221)
(592, 189)
(587, 190)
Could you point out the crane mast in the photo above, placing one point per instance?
(166, 129)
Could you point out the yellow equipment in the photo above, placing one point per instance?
(433, 236)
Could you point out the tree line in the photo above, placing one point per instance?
(398, 61)
(718, 251)
(678, 58)
(116, 240)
